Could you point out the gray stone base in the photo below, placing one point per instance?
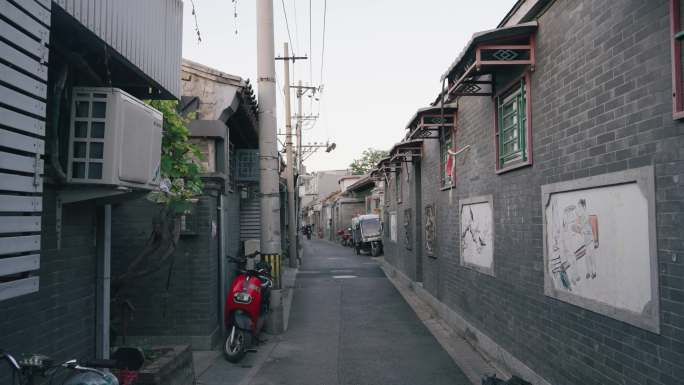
(206, 342)
(175, 367)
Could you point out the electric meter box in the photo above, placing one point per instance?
(114, 139)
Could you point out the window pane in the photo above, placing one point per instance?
(94, 170)
(78, 170)
(80, 129)
(97, 130)
(82, 109)
(96, 150)
(99, 109)
(79, 149)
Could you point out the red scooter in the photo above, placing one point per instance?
(247, 306)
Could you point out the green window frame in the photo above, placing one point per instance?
(512, 126)
(445, 143)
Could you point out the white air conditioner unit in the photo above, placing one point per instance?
(114, 139)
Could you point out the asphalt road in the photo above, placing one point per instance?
(349, 326)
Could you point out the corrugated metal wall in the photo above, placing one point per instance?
(24, 34)
(148, 33)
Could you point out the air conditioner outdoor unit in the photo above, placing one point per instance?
(114, 139)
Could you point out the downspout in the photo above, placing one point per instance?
(222, 262)
(103, 242)
(56, 109)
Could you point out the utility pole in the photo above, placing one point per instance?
(289, 170)
(300, 93)
(292, 228)
(299, 153)
(269, 163)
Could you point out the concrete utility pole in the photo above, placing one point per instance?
(292, 220)
(300, 93)
(289, 170)
(269, 164)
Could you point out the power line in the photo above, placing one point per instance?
(325, 11)
(287, 25)
(194, 14)
(310, 49)
(296, 26)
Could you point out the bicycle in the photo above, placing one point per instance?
(28, 367)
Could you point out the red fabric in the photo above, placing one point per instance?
(449, 165)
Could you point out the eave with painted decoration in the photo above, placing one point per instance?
(489, 53)
(427, 122)
(407, 151)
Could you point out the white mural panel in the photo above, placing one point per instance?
(393, 227)
(600, 245)
(477, 234)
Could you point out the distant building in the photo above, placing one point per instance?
(317, 186)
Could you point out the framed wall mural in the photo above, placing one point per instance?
(477, 234)
(408, 239)
(430, 230)
(600, 245)
(393, 226)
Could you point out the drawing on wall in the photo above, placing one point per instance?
(430, 227)
(477, 241)
(599, 245)
(575, 241)
(407, 229)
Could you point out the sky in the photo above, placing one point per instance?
(381, 60)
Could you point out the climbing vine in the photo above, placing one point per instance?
(179, 189)
(180, 171)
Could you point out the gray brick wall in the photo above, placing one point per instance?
(58, 320)
(601, 102)
(189, 312)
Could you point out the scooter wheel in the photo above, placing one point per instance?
(236, 349)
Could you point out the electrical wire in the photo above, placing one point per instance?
(235, 16)
(296, 26)
(310, 49)
(325, 12)
(194, 14)
(287, 25)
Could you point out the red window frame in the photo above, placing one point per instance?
(528, 124)
(676, 50)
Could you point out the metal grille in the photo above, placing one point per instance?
(247, 165)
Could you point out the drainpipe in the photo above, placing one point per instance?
(222, 262)
(103, 241)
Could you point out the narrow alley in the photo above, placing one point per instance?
(292, 192)
(349, 325)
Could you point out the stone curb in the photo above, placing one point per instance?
(473, 351)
